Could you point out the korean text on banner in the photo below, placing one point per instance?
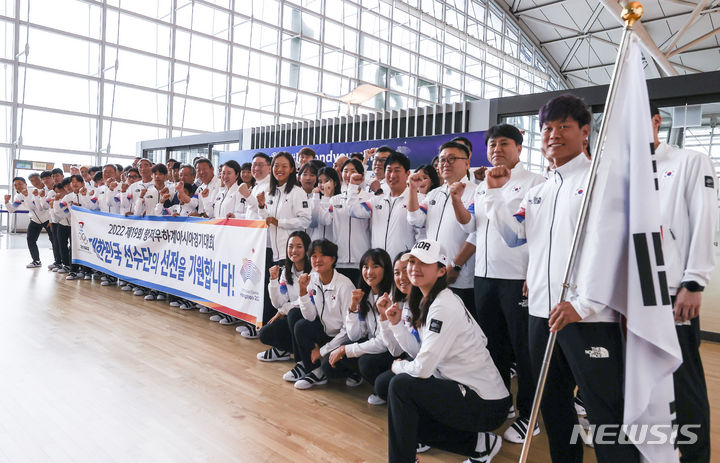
(219, 263)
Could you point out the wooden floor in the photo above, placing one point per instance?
(93, 374)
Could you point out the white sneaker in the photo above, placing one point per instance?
(186, 306)
(174, 304)
(139, 292)
(511, 412)
(55, 269)
(87, 277)
(354, 380)
(216, 318)
(62, 270)
(72, 276)
(34, 264)
(106, 283)
(229, 321)
(492, 446)
(126, 287)
(517, 431)
(311, 380)
(422, 448)
(104, 278)
(250, 333)
(273, 355)
(160, 297)
(297, 372)
(51, 266)
(375, 400)
(203, 309)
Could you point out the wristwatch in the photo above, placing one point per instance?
(692, 286)
(457, 268)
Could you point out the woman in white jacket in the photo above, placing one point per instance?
(351, 235)
(366, 352)
(451, 394)
(324, 299)
(233, 198)
(284, 205)
(284, 294)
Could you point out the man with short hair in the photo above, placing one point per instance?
(435, 213)
(500, 273)
(375, 177)
(389, 226)
(688, 207)
(546, 221)
(260, 170)
(208, 188)
(304, 156)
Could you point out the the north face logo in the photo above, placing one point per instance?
(597, 353)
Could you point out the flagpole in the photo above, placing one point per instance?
(632, 12)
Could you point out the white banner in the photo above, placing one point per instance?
(219, 263)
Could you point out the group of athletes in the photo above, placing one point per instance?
(435, 285)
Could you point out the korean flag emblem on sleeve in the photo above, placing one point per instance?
(435, 325)
(305, 204)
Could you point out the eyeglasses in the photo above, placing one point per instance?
(450, 159)
(380, 160)
(133, 176)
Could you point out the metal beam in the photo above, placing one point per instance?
(604, 65)
(557, 26)
(695, 13)
(668, 67)
(576, 46)
(537, 7)
(693, 43)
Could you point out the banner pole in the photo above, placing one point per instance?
(631, 13)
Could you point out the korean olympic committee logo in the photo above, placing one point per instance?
(84, 242)
(249, 271)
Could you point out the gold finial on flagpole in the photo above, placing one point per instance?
(632, 12)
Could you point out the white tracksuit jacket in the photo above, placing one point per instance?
(292, 211)
(546, 221)
(688, 205)
(358, 327)
(283, 295)
(330, 303)
(493, 257)
(389, 226)
(352, 235)
(437, 216)
(452, 347)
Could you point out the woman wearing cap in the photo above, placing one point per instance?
(451, 395)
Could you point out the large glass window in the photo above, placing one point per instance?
(113, 73)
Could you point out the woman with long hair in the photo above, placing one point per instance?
(285, 208)
(451, 395)
(366, 356)
(284, 294)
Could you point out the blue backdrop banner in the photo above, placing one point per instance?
(420, 150)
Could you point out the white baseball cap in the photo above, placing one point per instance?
(428, 251)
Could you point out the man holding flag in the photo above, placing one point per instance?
(688, 203)
(589, 353)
